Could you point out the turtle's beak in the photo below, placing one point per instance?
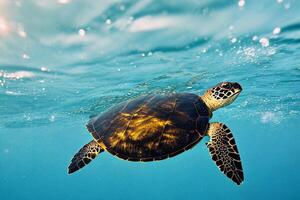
(237, 87)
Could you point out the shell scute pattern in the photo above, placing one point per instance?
(153, 127)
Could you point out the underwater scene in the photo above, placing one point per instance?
(68, 66)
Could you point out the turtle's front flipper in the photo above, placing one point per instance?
(224, 152)
(84, 156)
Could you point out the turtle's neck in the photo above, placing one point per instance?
(209, 103)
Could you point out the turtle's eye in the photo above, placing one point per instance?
(226, 85)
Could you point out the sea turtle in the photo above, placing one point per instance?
(156, 127)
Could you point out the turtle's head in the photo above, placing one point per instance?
(221, 95)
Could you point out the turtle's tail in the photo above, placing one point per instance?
(84, 156)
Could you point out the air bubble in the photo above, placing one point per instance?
(276, 31)
(242, 3)
(64, 1)
(270, 117)
(264, 42)
(44, 69)
(52, 118)
(25, 56)
(249, 51)
(233, 40)
(108, 21)
(81, 32)
(22, 33)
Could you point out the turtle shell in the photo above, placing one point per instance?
(152, 127)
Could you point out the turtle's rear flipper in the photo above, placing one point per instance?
(224, 152)
(84, 156)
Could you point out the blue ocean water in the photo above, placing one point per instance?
(66, 60)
